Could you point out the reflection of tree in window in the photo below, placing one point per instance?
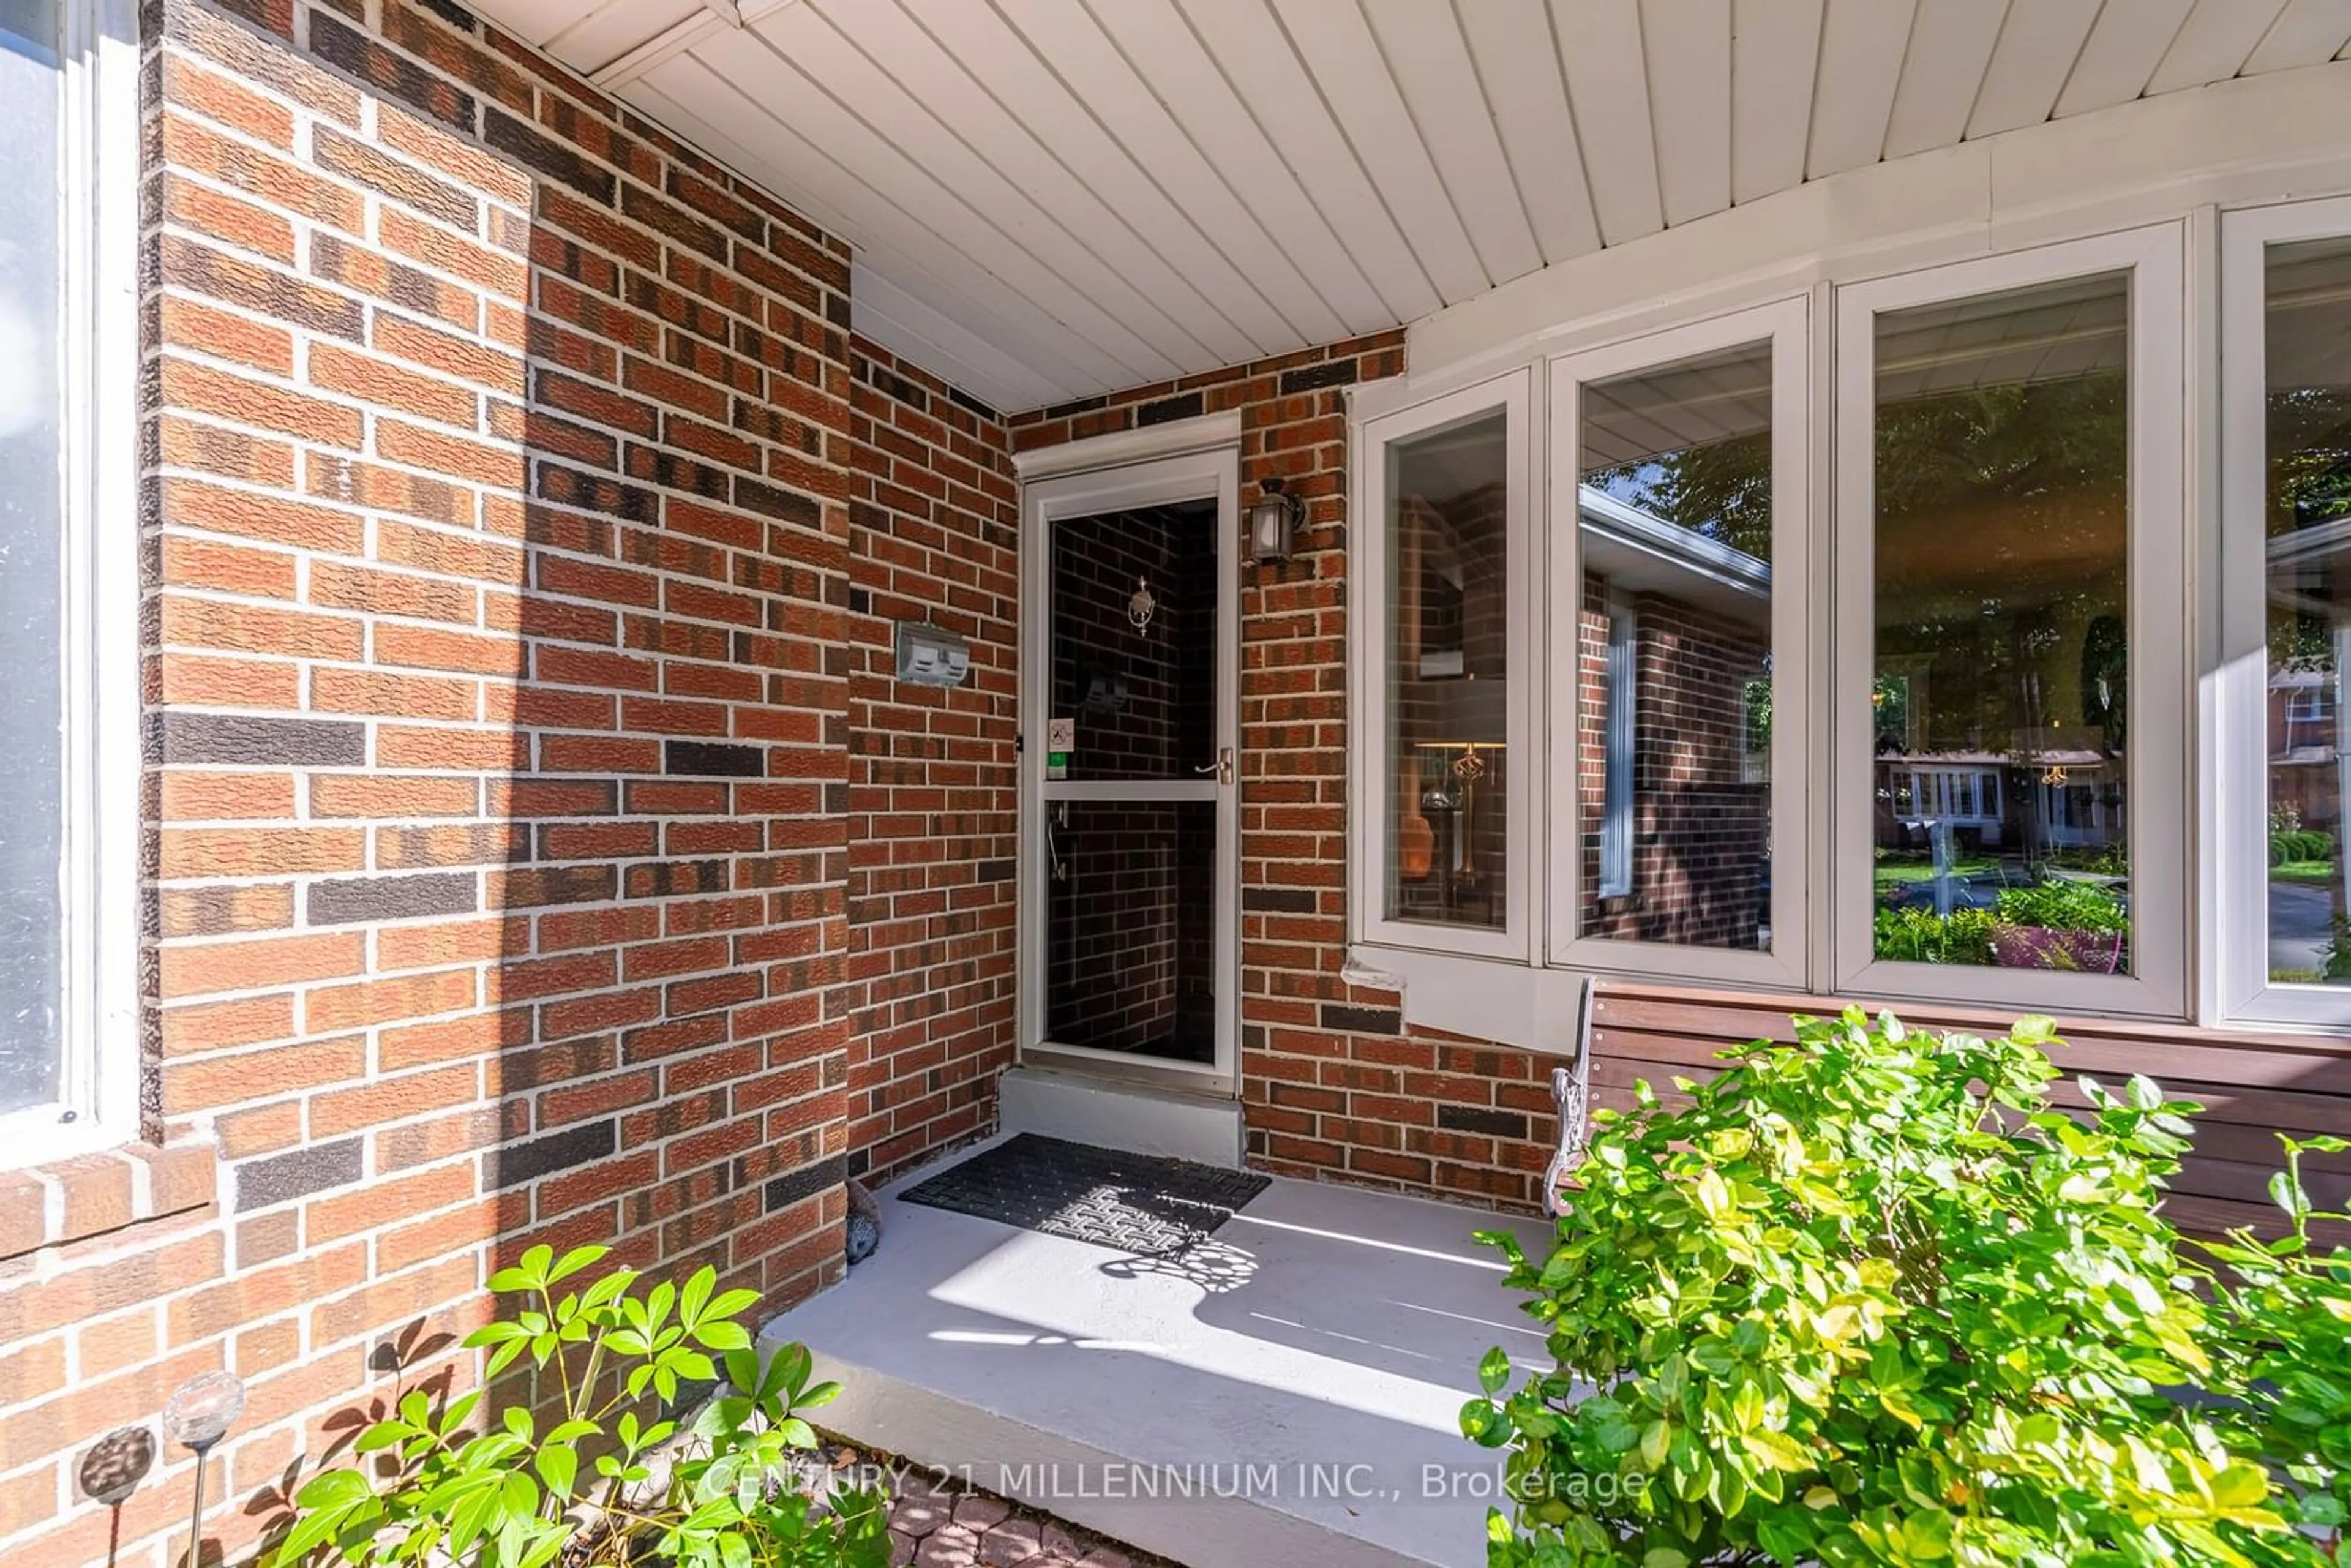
(1889, 701)
(2002, 514)
(1720, 491)
(2001, 476)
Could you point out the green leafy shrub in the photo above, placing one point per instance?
(1869, 1299)
(1922, 936)
(508, 1495)
(2296, 846)
(2288, 1303)
(2064, 906)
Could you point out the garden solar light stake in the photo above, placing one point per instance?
(198, 1415)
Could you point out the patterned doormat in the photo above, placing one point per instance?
(1144, 1204)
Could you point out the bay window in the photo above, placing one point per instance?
(1917, 567)
(1856, 654)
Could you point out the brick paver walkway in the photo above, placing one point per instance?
(932, 1526)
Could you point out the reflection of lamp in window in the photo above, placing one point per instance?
(1465, 726)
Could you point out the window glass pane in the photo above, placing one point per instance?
(2002, 683)
(1134, 642)
(1674, 518)
(1448, 815)
(2308, 513)
(31, 556)
(1131, 926)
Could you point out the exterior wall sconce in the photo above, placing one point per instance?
(1273, 524)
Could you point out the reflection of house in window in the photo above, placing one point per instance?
(2078, 812)
(2070, 799)
(1674, 738)
(2309, 555)
(2306, 717)
(2301, 702)
(1962, 796)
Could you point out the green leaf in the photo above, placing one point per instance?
(382, 1435)
(2288, 1194)
(732, 1304)
(787, 1370)
(1494, 1371)
(559, 1467)
(578, 1257)
(311, 1531)
(1927, 1535)
(1653, 1438)
(697, 1294)
(333, 1488)
(720, 1334)
(2242, 1484)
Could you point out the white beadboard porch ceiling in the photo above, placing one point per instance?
(1053, 199)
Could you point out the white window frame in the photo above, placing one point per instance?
(2238, 684)
(1786, 324)
(1372, 834)
(98, 1103)
(2162, 911)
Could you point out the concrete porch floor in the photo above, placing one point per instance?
(1284, 1393)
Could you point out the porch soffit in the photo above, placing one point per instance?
(1055, 199)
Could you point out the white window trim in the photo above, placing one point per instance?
(98, 1106)
(2239, 682)
(1787, 325)
(1372, 835)
(2161, 909)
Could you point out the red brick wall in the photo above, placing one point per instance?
(931, 772)
(539, 847)
(1332, 1085)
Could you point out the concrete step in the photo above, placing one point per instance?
(1121, 1113)
(1284, 1392)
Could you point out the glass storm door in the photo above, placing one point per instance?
(1129, 765)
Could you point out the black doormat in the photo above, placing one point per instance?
(1144, 1204)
